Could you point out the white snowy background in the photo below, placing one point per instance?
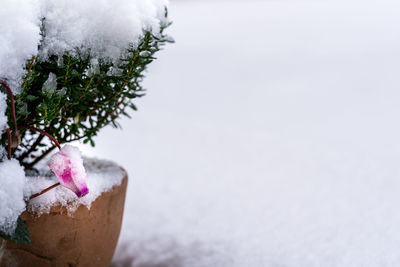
(269, 136)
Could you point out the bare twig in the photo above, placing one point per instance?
(29, 71)
(33, 163)
(31, 149)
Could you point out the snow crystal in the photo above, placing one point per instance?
(102, 176)
(94, 67)
(12, 204)
(19, 38)
(50, 85)
(106, 28)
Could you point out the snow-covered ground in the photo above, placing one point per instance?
(269, 136)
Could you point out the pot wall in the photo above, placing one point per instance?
(88, 238)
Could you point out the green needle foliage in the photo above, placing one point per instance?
(85, 98)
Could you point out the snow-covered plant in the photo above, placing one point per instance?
(68, 68)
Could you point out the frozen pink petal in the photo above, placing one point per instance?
(67, 164)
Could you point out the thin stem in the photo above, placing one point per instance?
(29, 71)
(42, 132)
(68, 64)
(9, 143)
(10, 94)
(44, 191)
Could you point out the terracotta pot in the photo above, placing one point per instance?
(88, 238)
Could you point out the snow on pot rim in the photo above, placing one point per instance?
(102, 176)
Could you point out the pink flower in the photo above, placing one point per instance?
(67, 164)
